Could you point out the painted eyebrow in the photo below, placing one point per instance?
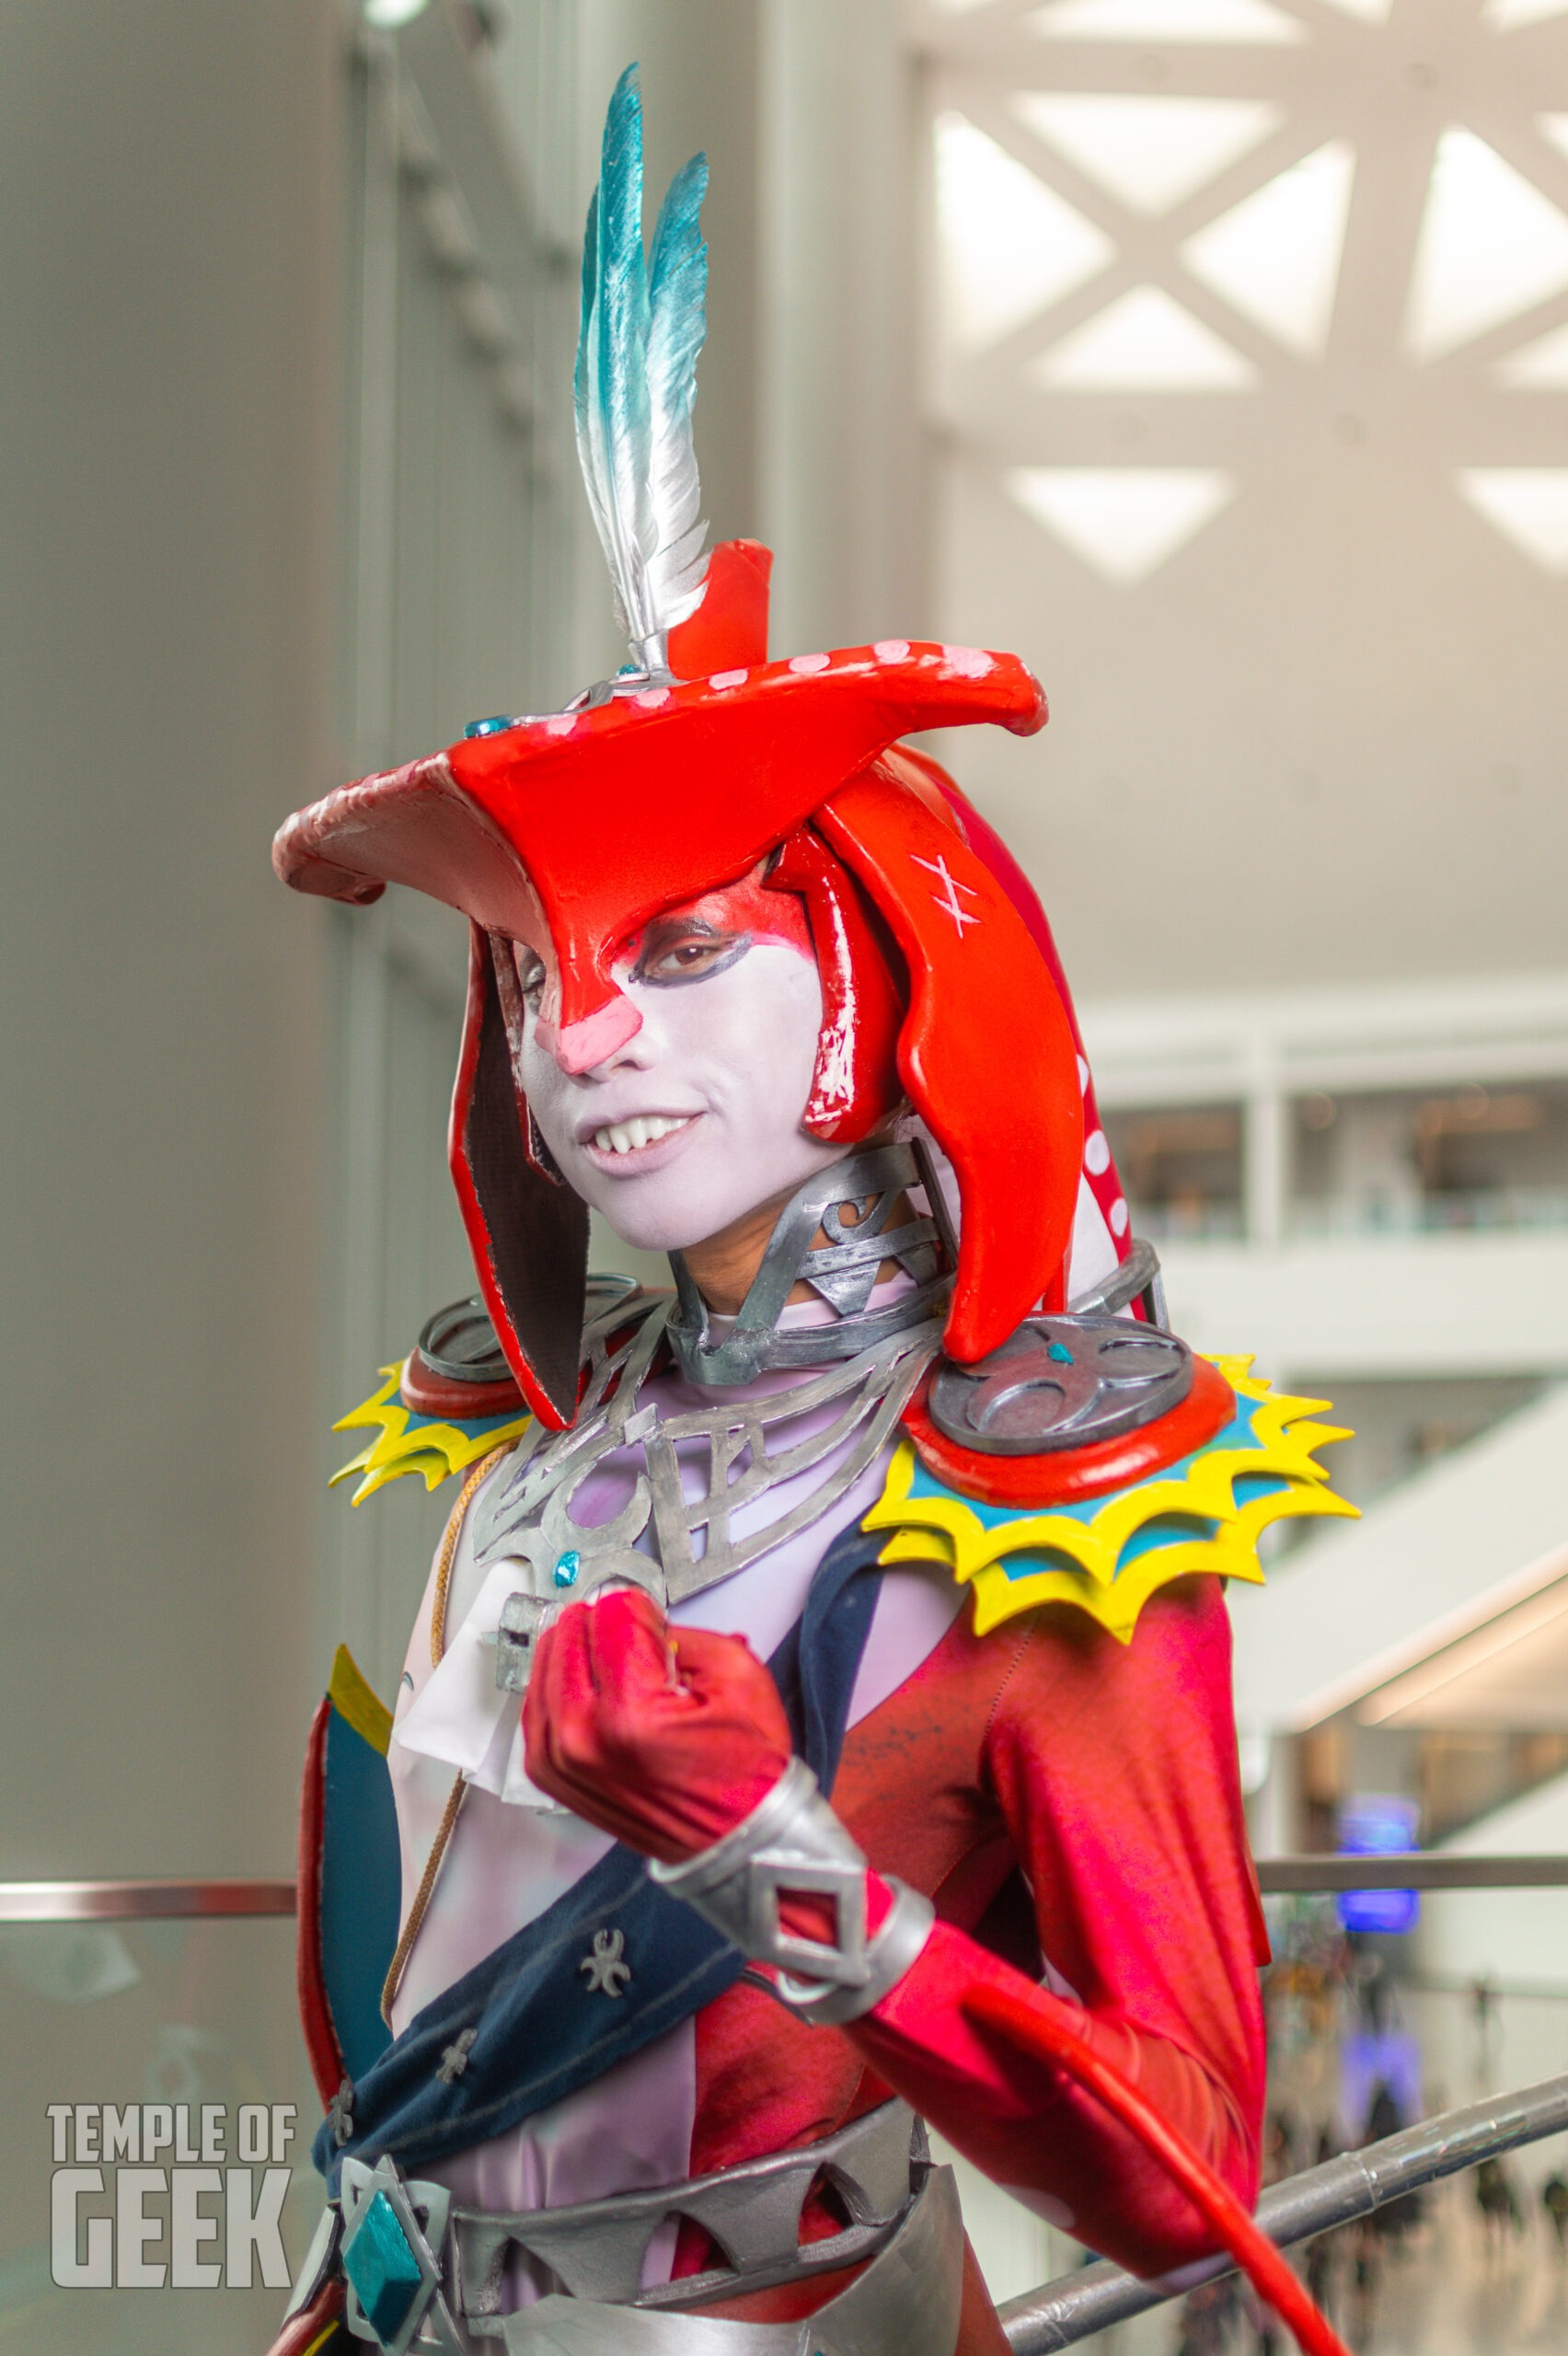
(671, 927)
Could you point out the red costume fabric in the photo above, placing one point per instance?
(1064, 1799)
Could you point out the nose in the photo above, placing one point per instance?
(593, 1039)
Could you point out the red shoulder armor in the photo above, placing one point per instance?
(1069, 1408)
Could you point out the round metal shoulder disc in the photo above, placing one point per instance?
(460, 1342)
(1062, 1383)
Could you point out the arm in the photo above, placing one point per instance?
(1114, 1770)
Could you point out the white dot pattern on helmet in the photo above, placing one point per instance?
(809, 661)
(1095, 1152)
(969, 662)
(892, 650)
(1083, 1077)
(728, 679)
(651, 697)
(1118, 1217)
(561, 725)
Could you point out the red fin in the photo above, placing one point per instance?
(729, 629)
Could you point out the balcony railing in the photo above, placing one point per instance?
(166, 1902)
(1494, 1210)
(1061, 2313)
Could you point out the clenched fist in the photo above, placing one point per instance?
(666, 1736)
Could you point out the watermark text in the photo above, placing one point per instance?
(155, 2195)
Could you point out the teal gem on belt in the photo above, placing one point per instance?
(381, 2264)
(567, 1567)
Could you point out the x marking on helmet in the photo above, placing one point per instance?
(948, 898)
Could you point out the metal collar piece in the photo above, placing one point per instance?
(661, 1540)
(842, 1272)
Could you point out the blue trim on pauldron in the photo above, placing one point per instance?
(1165, 1530)
(540, 2030)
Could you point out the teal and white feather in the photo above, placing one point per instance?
(643, 323)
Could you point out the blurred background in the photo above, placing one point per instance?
(1212, 354)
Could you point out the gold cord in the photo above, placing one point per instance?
(481, 1471)
(426, 1890)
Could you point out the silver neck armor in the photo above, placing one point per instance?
(858, 1372)
(841, 1271)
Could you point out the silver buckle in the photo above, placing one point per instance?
(392, 2231)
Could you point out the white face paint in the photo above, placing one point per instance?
(695, 1119)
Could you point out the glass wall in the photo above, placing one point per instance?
(1451, 1159)
(174, 2047)
(1361, 2045)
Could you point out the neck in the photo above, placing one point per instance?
(725, 1267)
(829, 1239)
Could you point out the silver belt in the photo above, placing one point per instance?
(903, 2219)
(596, 2251)
(905, 2304)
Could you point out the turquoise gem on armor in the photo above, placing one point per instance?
(381, 2264)
(1060, 1352)
(487, 727)
(567, 1567)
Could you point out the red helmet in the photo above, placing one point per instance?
(939, 979)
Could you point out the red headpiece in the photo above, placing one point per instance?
(938, 977)
(590, 822)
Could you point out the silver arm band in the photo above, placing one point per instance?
(792, 1840)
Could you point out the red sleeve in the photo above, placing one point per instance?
(1115, 1768)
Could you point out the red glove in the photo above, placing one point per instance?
(666, 1736)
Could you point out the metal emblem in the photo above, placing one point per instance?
(607, 1975)
(454, 2061)
(1062, 1383)
(341, 2114)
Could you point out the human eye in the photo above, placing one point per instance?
(689, 953)
(530, 974)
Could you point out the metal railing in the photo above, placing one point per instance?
(1076, 2305)
(1062, 2312)
(127, 1901)
(140, 1901)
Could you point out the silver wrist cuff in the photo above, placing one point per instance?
(792, 1840)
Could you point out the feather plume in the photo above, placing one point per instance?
(643, 323)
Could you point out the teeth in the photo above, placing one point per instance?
(646, 1128)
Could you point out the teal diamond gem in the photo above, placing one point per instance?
(1060, 1352)
(567, 1567)
(381, 2264)
(495, 727)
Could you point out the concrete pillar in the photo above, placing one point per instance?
(167, 378)
(842, 449)
(1266, 1176)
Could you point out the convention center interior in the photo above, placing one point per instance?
(1210, 357)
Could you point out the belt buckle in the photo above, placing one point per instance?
(393, 2229)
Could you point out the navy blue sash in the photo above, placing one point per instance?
(534, 2028)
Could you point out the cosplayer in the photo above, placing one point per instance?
(818, 1722)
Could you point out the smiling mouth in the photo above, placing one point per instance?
(644, 1129)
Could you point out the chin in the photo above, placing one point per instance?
(654, 1216)
(672, 1210)
(649, 1226)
